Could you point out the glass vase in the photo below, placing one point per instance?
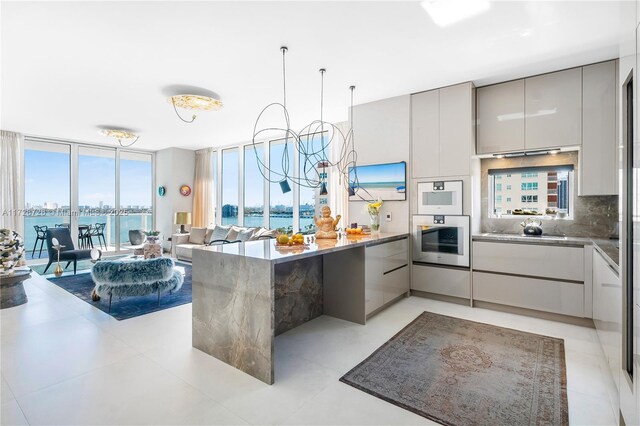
(375, 223)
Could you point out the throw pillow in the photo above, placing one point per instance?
(196, 235)
(263, 233)
(233, 233)
(219, 233)
(245, 234)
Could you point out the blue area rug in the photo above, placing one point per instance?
(81, 286)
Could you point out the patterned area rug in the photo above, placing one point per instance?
(81, 286)
(459, 372)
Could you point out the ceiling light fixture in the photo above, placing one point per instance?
(194, 102)
(120, 136)
(312, 143)
(448, 12)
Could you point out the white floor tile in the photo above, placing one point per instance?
(51, 352)
(587, 410)
(341, 404)
(11, 415)
(5, 392)
(133, 391)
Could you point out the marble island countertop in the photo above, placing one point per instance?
(267, 250)
(609, 249)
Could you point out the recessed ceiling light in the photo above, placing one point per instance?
(447, 12)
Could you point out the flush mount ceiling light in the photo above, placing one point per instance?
(194, 102)
(448, 12)
(125, 138)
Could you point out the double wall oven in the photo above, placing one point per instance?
(442, 240)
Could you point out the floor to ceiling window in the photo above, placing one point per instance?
(136, 201)
(97, 197)
(47, 172)
(253, 186)
(307, 165)
(214, 167)
(280, 204)
(230, 186)
(76, 186)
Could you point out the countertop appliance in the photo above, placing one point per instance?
(442, 240)
(440, 197)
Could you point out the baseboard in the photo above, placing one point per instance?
(583, 322)
(441, 297)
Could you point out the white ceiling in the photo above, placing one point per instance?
(69, 67)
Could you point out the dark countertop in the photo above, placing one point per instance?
(609, 249)
(267, 250)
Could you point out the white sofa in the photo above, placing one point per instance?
(182, 245)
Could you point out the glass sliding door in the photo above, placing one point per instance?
(47, 192)
(96, 197)
(280, 204)
(230, 186)
(253, 186)
(136, 194)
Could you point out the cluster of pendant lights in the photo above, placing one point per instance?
(312, 142)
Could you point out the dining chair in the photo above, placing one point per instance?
(41, 235)
(98, 232)
(84, 236)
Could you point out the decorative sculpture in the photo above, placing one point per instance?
(326, 224)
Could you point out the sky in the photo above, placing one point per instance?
(393, 172)
(47, 180)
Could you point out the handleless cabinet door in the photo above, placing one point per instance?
(553, 109)
(425, 134)
(456, 129)
(501, 117)
(599, 153)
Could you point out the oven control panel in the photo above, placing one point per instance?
(438, 219)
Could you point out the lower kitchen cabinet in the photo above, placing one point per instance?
(386, 273)
(542, 277)
(607, 313)
(558, 297)
(439, 280)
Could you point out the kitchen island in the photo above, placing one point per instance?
(244, 294)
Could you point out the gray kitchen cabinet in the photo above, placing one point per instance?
(425, 134)
(553, 110)
(500, 121)
(599, 152)
(442, 131)
(607, 313)
(457, 133)
(386, 273)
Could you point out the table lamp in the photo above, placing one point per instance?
(182, 219)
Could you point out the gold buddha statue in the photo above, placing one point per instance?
(326, 224)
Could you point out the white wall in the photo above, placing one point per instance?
(174, 167)
(382, 132)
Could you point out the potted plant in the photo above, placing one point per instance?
(153, 236)
(11, 251)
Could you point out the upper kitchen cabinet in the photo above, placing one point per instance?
(425, 133)
(599, 153)
(442, 131)
(500, 117)
(553, 109)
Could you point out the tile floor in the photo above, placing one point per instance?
(65, 362)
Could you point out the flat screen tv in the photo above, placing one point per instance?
(385, 181)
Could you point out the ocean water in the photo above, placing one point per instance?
(381, 184)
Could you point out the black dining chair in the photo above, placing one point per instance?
(84, 236)
(68, 253)
(40, 236)
(98, 232)
(63, 225)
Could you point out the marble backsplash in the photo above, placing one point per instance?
(594, 216)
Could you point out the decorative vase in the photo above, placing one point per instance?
(11, 251)
(375, 223)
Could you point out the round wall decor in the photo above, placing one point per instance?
(185, 190)
(161, 191)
